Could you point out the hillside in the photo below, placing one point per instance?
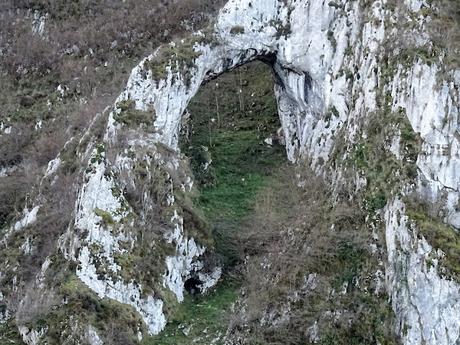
(230, 172)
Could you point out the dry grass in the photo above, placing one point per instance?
(445, 30)
(300, 231)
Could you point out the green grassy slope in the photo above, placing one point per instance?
(228, 126)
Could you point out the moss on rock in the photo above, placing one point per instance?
(132, 117)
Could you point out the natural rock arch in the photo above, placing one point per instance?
(160, 87)
(314, 103)
(169, 78)
(336, 68)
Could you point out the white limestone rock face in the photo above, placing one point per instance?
(30, 336)
(38, 23)
(92, 337)
(180, 266)
(183, 265)
(433, 110)
(4, 313)
(29, 217)
(427, 305)
(98, 205)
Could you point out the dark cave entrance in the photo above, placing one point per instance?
(192, 286)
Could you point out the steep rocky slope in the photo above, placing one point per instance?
(368, 98)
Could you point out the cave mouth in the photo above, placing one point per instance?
(193, 286)
(233, 139)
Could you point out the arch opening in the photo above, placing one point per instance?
(233, 138)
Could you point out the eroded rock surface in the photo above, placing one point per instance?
(336, 70)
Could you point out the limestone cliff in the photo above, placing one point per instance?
(345, 73)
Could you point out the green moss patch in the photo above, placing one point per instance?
(9, 334)
(440, 236)
(107, 218)
(229, 129)
(132, 117)
(115, 320)
(198, 320)
(179, 56)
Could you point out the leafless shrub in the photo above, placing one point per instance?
(313, 235)
(445, 28)
(13, 193)
(100, 30)
(35, 304)
(31, 54)
(52, 221)
(12, 145)
(118, 335)
(46, 148)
